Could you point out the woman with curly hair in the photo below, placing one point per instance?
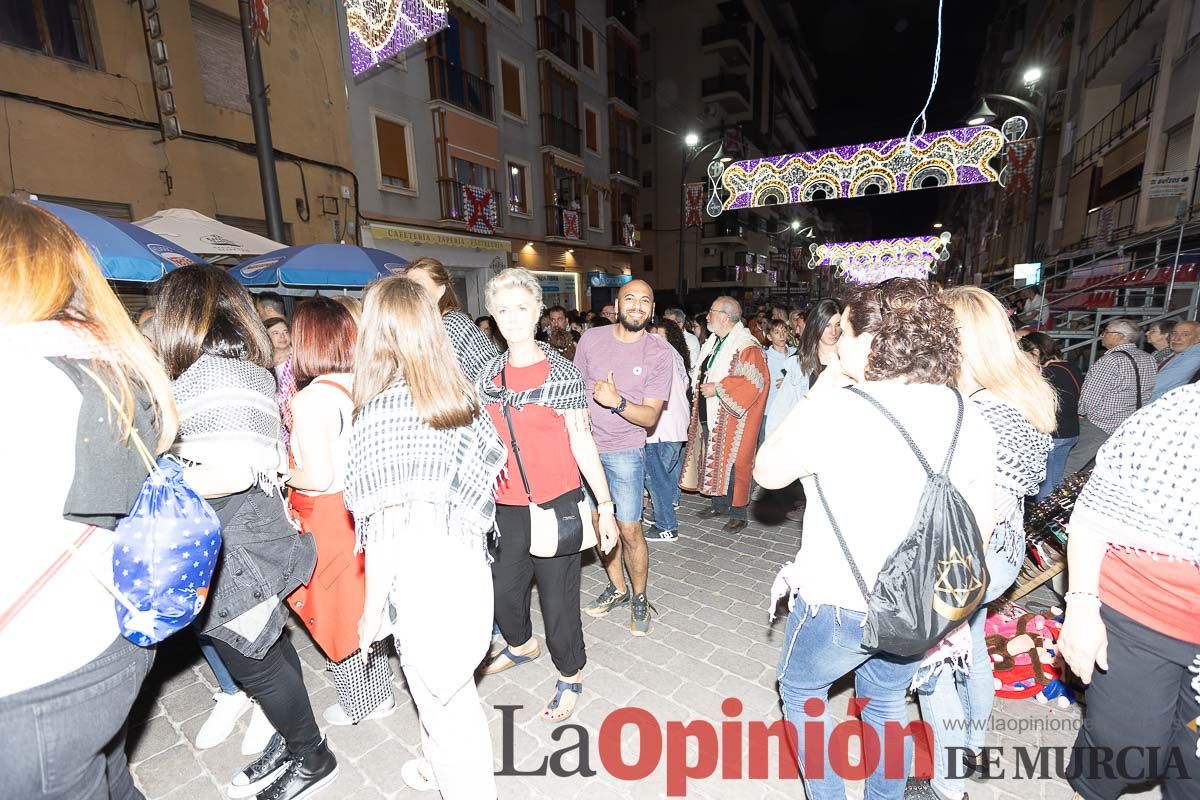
(899, 346)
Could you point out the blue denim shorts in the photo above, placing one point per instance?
(625, 471)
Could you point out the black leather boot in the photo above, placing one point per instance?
(305, 775)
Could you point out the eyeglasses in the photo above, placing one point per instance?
(718, 311)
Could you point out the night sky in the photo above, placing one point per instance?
(874, 61)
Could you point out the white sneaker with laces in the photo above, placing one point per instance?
(418, 774)
(336, 715)
(258, 732)
(222, 719)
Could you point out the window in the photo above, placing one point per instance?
(648, 264)
(457, 60)
(647, 222)
(393, 149)
(221, 59)
(588, 46)
(58, 28)
(647, 135)
(468, 172)
(647, 180)
(511, 6)
(647, 90)
(594, 206)
(512, 88)
(591, 129)
(518, 188)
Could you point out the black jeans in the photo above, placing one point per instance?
(277, 683)
(66, 738)
(1136, 712)
(513, 572)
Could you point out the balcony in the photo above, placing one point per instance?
(456, 207)
(625, 13)
(731, 91)
(729, 40)
(558, 41)
(722, 274)
(565, 223)
(623, 88)
(560, 133)
(1107, 58)
(450, 82)
(726, 228)
(1111, 222)
(626, 235)
(1116, 124)
(622, 164)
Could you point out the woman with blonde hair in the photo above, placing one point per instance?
(954, 683)
(471, 346)
(69, 464)
(423, 463)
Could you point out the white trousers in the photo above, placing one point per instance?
(455, 740)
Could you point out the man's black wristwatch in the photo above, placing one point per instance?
(621, 407)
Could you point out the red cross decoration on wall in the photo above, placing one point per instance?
(570, 224)
(693, 197)
(479, 209)
(260, 20)
(1020, 162)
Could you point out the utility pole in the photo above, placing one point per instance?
(262, 127)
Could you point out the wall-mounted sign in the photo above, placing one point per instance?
(601, 280)
(1170, 184)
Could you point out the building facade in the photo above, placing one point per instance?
(509, 138)
(129, 108)
(737, 75)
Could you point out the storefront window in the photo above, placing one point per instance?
(558, 289)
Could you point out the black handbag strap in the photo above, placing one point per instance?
(1137, 375)
(512, 436)
(909, 440)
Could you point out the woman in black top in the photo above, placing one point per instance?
(1066, 380)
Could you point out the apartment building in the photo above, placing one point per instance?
(737, 75)
(1121, 90)
(125, 108)
(509, 138)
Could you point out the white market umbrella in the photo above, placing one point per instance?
(193, 231)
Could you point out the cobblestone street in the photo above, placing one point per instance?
(711, 640)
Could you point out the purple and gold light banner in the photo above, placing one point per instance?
(937, 158)
(876, 260)
(382, 29)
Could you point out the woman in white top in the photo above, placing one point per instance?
(69, 678)
(664, 444)
(899, 344)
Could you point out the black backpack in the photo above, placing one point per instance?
(937, 577)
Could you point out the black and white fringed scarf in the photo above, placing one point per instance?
(562, 390)
(227, 414)
(396, 459)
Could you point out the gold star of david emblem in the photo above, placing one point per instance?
(961, 597)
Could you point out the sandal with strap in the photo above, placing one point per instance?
(559, 688)
(507, 659)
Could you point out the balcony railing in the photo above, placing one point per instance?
(560, 133)
(624, 12)
(725, 83)
(450, 82)
(558, 40)
(624, 88)
(622, 163)
(1123, 215)
(626, 234)
(726, 31)
(565, 223)
(455, 206)
(1116, 123)
(726, 227)
(1118, 34)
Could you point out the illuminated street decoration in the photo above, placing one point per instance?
(381, 29)
(938, 158)
(879, 259)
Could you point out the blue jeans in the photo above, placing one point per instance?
(1056, 465)
(625, 471)
(818, 649)
(664, 462)
(958, 707)
(219, 670)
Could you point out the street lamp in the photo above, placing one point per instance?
(983, 114)
(937, 225)
(691, 150)
(792, 230)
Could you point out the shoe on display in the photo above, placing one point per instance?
(222, 719)
(418, 774)
(656, 534)
(336, 715)
(262, 771)
(258, 732)
(606, 602)
(305, 775)
(639, 618)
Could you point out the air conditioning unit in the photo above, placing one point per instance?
(710, 251)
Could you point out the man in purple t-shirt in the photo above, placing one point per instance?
(627, 374)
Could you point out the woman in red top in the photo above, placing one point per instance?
(543, 395)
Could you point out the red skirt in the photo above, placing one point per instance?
(331, 605)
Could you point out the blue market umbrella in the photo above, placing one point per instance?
(343, 266)
(125, 251)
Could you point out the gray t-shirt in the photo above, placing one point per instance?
(641, 370)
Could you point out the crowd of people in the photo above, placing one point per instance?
(396, 474)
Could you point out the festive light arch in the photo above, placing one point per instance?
(877, 260)
(382, 29)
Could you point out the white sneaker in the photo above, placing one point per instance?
(336, 715)
(258, 732)
(418, 774)
(222, 719)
